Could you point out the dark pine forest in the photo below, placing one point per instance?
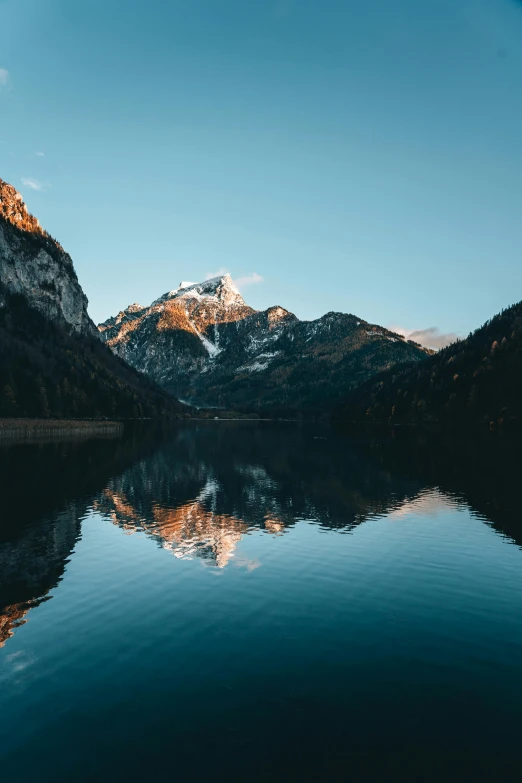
(49, 371)
(476, 381)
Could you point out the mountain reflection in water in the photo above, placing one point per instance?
(206, 488)
(198, 495)
(191, 529)
(198, 488)
(246, 494)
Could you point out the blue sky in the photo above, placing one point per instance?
(358, 156)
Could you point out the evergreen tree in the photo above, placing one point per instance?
(43, 400)
(8, 405)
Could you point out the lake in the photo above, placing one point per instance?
(249, 601)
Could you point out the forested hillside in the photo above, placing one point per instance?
(47, 370)
(474, 382)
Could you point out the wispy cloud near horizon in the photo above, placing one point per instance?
(431, 337)
(4, 77)
(34, 184)
(40, 154)
(252, 279)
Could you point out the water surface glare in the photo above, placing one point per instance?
(255, 602)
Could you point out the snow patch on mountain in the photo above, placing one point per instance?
(254, 366)
(260, 362)
(212, 349)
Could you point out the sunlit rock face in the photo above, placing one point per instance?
(207, 347)
(173, 338)
(33, 264)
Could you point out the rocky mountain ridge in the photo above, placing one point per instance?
(205, 345)
(37, 267)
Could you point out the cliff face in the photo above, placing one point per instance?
(52, 362)
(206, 346)
(34, 265)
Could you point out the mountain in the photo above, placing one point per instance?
(205, 345)
(37, 267)
(476, 381)
(52, 362)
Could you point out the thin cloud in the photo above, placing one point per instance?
(252, 279)
(4, 77)
(40, 154)
(34, 184)
(431, 337)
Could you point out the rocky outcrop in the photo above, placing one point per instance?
(175, 336)
(33, 264)
(52, 362)
(206, 346)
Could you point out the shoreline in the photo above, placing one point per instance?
(49, 428)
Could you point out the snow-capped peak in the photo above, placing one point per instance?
(221, 289)
(224, 280)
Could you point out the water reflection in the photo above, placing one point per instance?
(198, 489)
(191, 529)
(207, 487)
(46, 491)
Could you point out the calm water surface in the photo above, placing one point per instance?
(258, 602)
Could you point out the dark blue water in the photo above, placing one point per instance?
(257, 602)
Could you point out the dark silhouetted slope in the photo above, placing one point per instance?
(476, 381)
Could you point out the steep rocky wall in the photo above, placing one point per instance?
(33, 264)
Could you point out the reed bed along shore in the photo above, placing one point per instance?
(58, 428)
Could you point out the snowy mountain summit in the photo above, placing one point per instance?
(220, 289)
(205, 345)
(188, 319)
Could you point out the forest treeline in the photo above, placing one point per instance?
(475, 381)
(49, 371)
